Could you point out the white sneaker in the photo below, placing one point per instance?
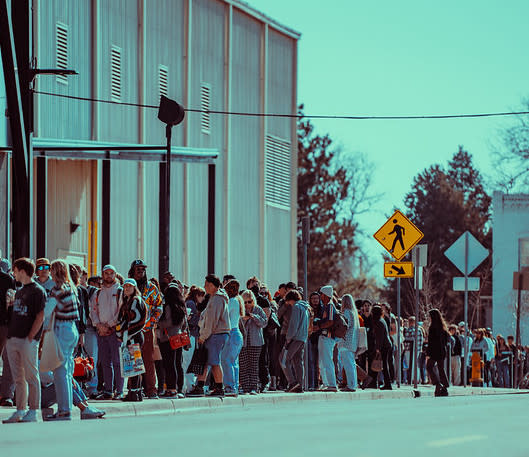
(30, 416)
(17, 416)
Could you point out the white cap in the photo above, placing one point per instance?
(327, 290)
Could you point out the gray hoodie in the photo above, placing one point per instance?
(298, 327)
(216, 317)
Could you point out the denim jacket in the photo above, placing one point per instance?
(252, 329)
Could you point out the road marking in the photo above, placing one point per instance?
(458, 440)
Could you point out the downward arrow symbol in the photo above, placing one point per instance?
(399, 270)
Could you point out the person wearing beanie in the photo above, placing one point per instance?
(327, 341)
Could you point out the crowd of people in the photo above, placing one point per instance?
(237, 339)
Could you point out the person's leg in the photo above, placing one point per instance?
(14, 348)
(30, 360)
(7, 387)
(116, 365)
(227, 360)
(255, 353)
(326, 360)
(430, 366)
(297, 362)
(321, 362)
(179, 370)
(288, 369)
(442, 373)
(168, 358)
(90, 345)
(67, 336)
(350, 367)
(385, 368)
(187, 355)
(148, 360)
(105, 358)
(264, 371)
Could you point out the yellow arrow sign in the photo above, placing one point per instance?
(398, 235)
(398, 270)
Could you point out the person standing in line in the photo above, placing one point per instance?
(455, 357)
(283, 314)
(23, 335)
(436, 351)
(7, 294)
(171, 323)
(349, 344)
(42, 277)
(195, 297)
(503, 362)
(378, 336)
(327, 341)
(214, 332)
(65, 303)
(104, 311)
(253, 323)
(313, 369)
(232, 348)
(297, 335)
(153, 301)
(131, 319)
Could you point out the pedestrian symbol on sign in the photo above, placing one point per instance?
(398, 230)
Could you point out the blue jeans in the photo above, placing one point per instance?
(504, 374)
(67, 336)
(230, 360)
(90, 344)
(348, 359)
(326, 350)
(108, 347)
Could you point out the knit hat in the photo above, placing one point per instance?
(327, 290)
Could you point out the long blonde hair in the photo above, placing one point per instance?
(60, 272)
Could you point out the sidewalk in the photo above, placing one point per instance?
(116, 409)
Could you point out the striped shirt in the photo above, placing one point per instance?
(67, 307)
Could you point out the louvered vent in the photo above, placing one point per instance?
(163, 80)
(205, 106)
(277, 172)
(61, 50)
(115, 73)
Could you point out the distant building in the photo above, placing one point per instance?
(99, 189)
(510, 241)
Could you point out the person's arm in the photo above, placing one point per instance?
(259, 317)
(37, 324)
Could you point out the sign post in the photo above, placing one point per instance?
(520, 282)
(420, 259)
(305, 234)
(398, 236)
(466, 253)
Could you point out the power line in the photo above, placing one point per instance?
(307, 116)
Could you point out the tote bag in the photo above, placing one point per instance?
(361, 341)
(130, 359)
(52, 356)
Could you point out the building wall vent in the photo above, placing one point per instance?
(115, 73)
(163, 80)
(277, 172)
(61, 50)
(205, 106)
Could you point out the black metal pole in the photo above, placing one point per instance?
(42, 206)
(165, 206)
(518, 312)
(211, 217)
(105, 216)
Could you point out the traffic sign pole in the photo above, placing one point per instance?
(466, 310)
(398, 335)
(416, 348)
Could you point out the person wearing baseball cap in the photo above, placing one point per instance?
(43, 277)
(153, 301)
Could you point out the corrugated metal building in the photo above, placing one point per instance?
(101, 199)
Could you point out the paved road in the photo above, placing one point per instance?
(479, 426)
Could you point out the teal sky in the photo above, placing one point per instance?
(413, 57)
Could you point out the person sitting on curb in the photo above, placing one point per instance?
(297, 334)
(214, 332)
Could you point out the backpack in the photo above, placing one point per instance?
(340, 324)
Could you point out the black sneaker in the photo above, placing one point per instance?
(197, 391)
(217, 392)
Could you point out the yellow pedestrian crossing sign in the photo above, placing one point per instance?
(398, 270)
(398, 235)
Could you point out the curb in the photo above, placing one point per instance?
(206, 404)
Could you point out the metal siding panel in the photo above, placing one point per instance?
(119, 26)
(177, 220)
(198, 222)
(245, 147)
(123, 214)
(152, 210)
(164, 45)
(59, 117)
(280, 69)
(278, 240)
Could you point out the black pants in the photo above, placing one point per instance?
(172, 363)
(281, 340)
(432, 372)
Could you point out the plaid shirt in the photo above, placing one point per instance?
(153, 301)
(409, 335)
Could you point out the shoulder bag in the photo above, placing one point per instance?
(376, 363)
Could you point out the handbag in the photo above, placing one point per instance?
(180, 339)
(199, 360)
(84, 366)
(361, 341)
(376, 363)
(52, 356)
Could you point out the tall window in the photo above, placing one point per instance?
(277, 172)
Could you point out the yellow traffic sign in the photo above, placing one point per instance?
(398, 270)
(398, 235)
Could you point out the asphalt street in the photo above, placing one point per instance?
(478, 425)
